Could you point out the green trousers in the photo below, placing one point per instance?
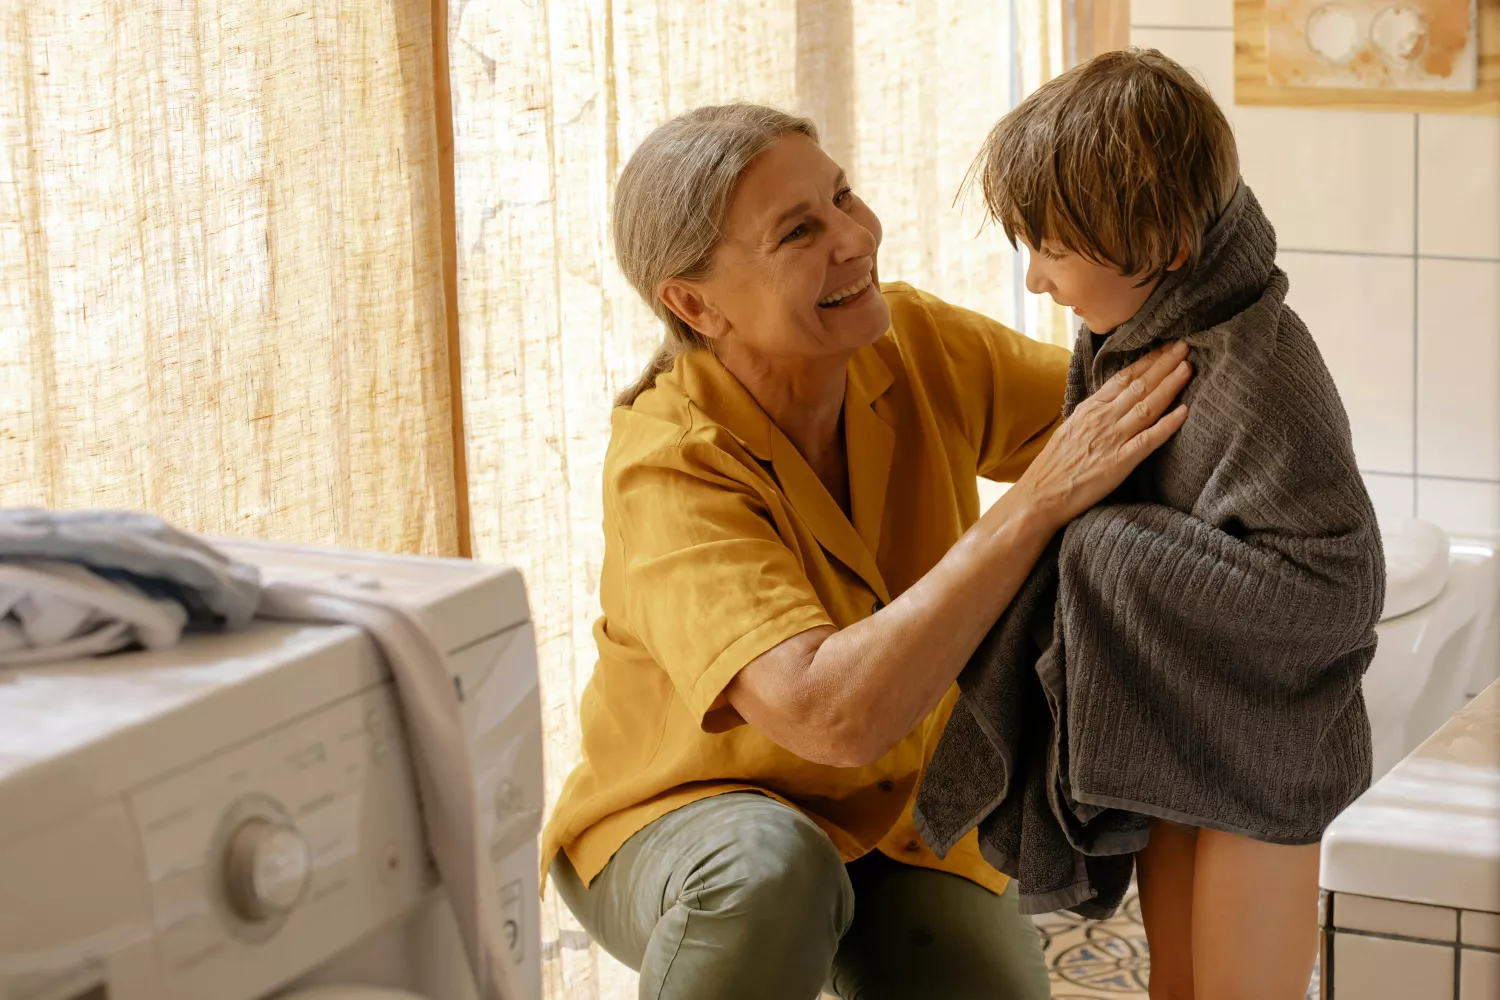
(738, 897)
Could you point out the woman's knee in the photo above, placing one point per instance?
(758, 912)
(780, 864)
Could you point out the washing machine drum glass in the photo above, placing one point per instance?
(350, 993)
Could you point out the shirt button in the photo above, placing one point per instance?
(912, 847)
(887, 786)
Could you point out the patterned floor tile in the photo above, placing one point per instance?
(1097, 959)
(1103, 959)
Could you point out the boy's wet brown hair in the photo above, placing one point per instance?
(1123, 160)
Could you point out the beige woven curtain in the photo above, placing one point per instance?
(220, 279)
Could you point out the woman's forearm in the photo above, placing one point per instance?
(846, 697)
(882, 676)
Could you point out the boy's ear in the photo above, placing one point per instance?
(1183, 252)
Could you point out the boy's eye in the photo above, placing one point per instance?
(795, 234)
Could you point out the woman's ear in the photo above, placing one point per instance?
(687, 302)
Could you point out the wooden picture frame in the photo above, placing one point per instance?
(1251, 86)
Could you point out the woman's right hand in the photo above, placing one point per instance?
(1107, 436)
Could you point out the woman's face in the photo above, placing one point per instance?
(795, 277)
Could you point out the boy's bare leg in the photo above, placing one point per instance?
(1165, 876)
(1255, 919)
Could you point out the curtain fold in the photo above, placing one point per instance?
(220, 267)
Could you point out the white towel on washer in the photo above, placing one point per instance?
(52, 611)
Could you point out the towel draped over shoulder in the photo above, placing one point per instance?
(1191, 649)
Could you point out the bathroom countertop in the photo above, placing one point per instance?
(1429, 831)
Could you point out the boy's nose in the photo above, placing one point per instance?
(1036, 281)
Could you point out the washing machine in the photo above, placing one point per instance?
(237, 818)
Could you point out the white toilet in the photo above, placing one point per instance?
(1438, 635)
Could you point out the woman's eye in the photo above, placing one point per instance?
(795, 234)
(842, 197)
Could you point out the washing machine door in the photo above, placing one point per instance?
(350, 993)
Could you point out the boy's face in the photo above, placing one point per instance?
(1101, 295)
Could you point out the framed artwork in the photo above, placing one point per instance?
(1408, 55)
(1375, 44)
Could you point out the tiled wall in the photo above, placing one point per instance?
(1381, 949)
(1389, 225)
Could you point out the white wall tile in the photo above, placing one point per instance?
(1394, 497)
(1389, 916)
(1183, 13)
(1359, 310)
(1209, 55)
(1460, 508)
(1479, 977)
(1332, 179)
(1458, 369)
(1482, 929)
(1458, 177)
(1369, 968)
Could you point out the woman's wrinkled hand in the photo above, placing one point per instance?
(1108, 435)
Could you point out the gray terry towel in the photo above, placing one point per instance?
(1192, 648)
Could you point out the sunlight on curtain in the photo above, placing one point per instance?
(549, 101)
(1042, 52)
(929, 81)
(220, 273)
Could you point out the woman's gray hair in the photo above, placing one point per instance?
(670, 205)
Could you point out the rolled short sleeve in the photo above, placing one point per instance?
(1008, 387)
(708, 584)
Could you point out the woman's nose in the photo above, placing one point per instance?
(853, 240)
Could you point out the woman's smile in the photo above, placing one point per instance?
(849, 294)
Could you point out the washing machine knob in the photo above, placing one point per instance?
(266, 870)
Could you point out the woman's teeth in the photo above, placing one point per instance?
(845, 293)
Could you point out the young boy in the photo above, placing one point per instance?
(1199, 638)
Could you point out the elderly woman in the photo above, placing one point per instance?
(795, 572)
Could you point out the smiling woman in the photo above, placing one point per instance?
(795, 571)
(550, 102)
(807, 273)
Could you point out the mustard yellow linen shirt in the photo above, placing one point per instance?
(721, 541)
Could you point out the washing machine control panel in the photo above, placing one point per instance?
(271, 856)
